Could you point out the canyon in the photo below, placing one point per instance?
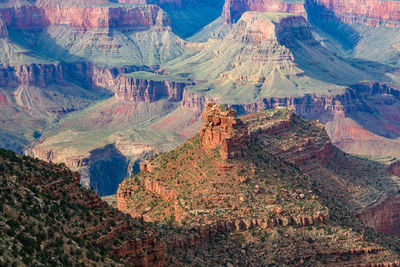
(200, 103)
(73, 71)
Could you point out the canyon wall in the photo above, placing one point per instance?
(233, 9)
(3, 30)
(31, 74)
(384, 217)
(83, 17)
(369, 12)
(142, 89)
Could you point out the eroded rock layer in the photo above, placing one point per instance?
(233, 9)
(369, 12)
(221, 130)
(148, 90)
(83, 16)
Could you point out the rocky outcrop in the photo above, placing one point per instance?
(106, 15)
(394, 168)
(205, 233)
(233, 9)
(149, 251)
(33, 74)
(384, 216)
(369, 12)
(222, 130)
(147, 90)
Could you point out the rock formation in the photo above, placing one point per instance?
(272, 162)
(82, 16)
(233, 9)
(394, 168)
(40, 75)
(383, 216)
(369, 12)
(221, 130)
(148, 90)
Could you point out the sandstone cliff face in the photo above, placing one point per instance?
(33, 74)
(384, 217)
(42, 15)
(369, 12)
(221, 130)
(137, 89)
(233, 9)
(92, 75)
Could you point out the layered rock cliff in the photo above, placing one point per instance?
(83, 16)
(383, 216)
(221, 130)
(233, 9)
(149, 89)
(369, 12)
(40, 75)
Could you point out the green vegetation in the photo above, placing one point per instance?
(46, 217)
(196, 188)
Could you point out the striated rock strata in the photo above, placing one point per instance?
(147, 90)
(384, 216)
(233, 9)
(101, 15)
(221, 130)
(369, 12)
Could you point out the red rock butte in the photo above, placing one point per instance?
(222, 130)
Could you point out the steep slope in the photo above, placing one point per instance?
(47, 218)
(238, 186)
